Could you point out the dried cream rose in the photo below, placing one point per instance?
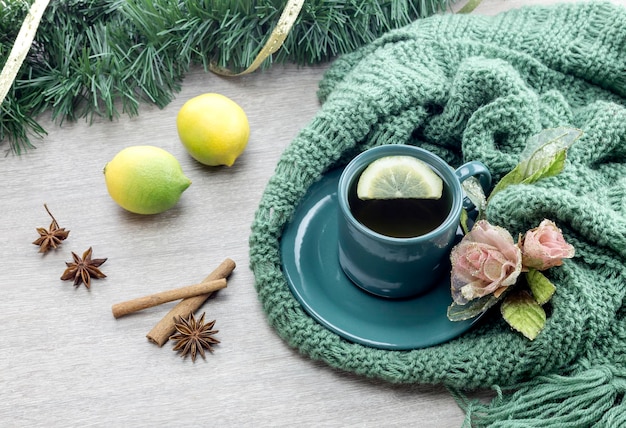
(485, 261)
(544, 247)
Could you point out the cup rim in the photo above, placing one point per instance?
(363, 159)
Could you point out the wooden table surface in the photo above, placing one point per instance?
(66, 361)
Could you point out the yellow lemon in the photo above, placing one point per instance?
(397, 177)
(213, 129)
(145, 179)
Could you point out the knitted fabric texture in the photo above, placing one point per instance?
(475, 88)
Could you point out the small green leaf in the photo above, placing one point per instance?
(471, 309)
(464, 219)
(532, 170)
(544, 156)
(541, 287)
(547, 168)
(522, 312)
(554, 139)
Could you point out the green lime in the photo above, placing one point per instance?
(145, 179)
(399, 177)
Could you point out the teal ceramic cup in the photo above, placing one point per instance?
(401, 266)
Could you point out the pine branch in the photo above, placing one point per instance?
(95, 57)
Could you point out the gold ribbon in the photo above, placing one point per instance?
(277, 37)
(469, 6)
(21, 46)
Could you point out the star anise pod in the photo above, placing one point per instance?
(51, 237)
(194, 336)
(82, 270)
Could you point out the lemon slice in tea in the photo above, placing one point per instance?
(399, 177)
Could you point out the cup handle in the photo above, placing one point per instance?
(475, 169)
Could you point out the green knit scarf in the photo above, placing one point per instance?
(475, 88)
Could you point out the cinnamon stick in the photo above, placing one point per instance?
(161, 332)
(130, 306)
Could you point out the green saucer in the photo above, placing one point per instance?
(310, 264)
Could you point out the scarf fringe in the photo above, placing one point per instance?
(591, 397)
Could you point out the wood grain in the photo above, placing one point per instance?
(65, 361)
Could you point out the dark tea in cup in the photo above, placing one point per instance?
(401, 218)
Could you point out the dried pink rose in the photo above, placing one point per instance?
(544, 247)
(485, 261)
